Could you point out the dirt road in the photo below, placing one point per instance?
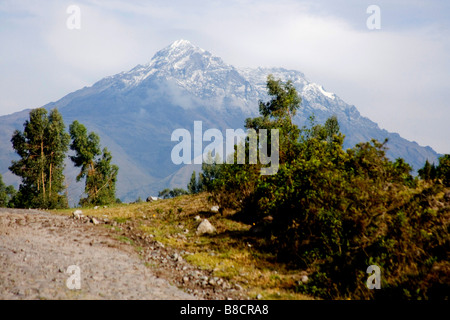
(46, 256)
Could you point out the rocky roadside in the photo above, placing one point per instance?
(36, 249)
(168, 263)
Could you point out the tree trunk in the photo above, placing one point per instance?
(42, 168)
(50, 181)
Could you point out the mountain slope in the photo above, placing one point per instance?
(135, 113)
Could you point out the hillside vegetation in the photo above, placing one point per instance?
(335, 212)
(314, 226)
(233, 253)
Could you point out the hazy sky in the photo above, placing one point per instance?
(398, 75)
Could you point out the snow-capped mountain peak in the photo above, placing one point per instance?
(181, 43)
(182, 62)
(188, 70)
(137, 110)
(183, 46)
(177, 52)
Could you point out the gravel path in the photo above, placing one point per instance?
(37, 249)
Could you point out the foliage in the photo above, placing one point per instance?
(439, 173)
(233, 185)
(335, 211)
(443, 170)
(41, 148)
(428, 172)
(7, 193)
(195, 185)
(96, 166)
(168, 193)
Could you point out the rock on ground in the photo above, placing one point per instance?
(205, 227)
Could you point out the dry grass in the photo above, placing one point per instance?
(232, 253)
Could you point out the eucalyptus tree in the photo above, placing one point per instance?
(42, 148)
(95, 164)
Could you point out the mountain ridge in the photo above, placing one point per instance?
(134, 112)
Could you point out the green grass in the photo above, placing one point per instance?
(125, 239)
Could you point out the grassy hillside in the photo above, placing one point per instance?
(234, 253)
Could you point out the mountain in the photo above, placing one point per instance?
(135, 113)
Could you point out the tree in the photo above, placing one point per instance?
(164, 193)
(167, 193)
(192, 185)
(428, 172)
(284, 102)
(176, 192)
(106, 177)
(195, 185)
(277, 113)
(6, 193)
(95, 166)
(57, 142)
(327, 131)
(211, 170)
(86, 146)
(233, 185)
(42, 147)
(443, 169)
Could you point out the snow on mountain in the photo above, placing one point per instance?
(218, 85)
(193, 70)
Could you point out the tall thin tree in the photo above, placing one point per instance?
(95, 166)
(41, 147)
